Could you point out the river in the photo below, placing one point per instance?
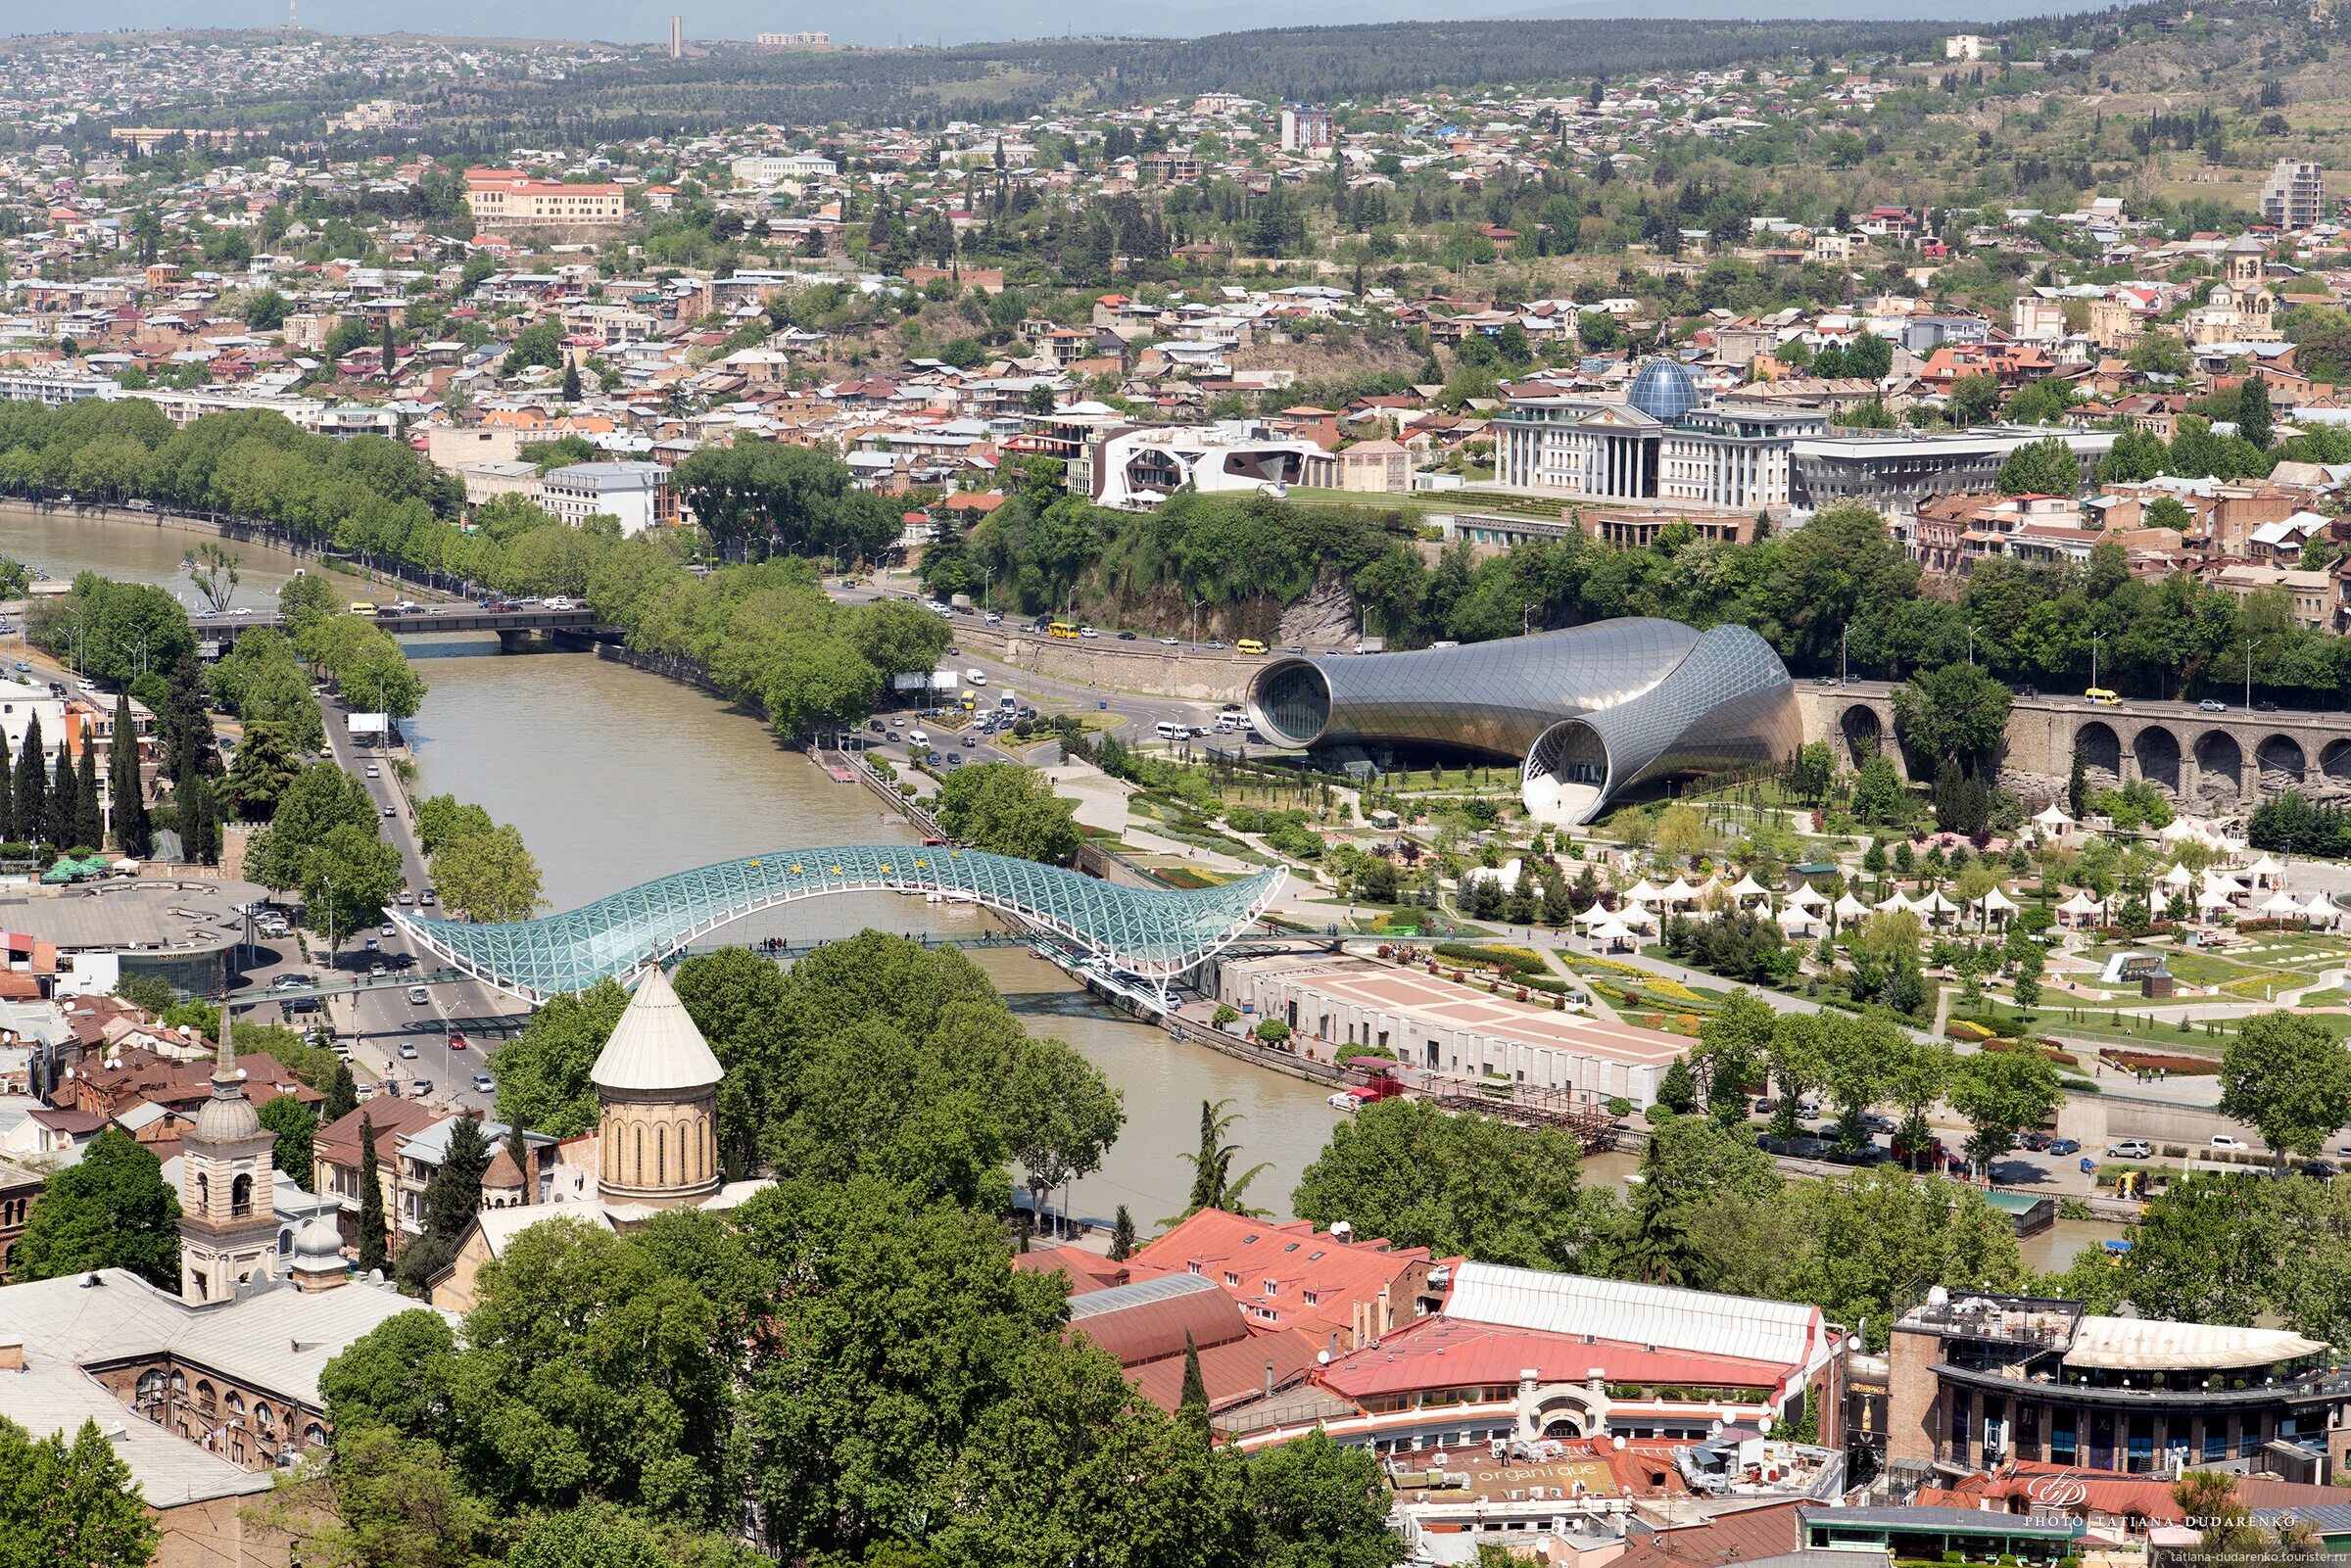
(617, 777)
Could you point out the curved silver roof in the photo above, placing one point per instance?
(1650, 697)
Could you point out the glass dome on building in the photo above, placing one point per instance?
(1664, 390)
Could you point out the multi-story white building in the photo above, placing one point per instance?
(1304, 129)
(1656, 445)
(2294, 196)
(637, 493)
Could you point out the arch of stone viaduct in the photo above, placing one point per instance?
(2210, 762)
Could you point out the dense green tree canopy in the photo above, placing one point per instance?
(108, 1210)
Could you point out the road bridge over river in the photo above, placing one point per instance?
(533, 622)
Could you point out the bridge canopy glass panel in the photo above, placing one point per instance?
(1149, 933)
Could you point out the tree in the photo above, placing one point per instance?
(198, 812)
(1214, 1185)
(1877, 793)
(342, 1095)
(89, 830)
(187, 723)
(125, 790)
(2047, 467)
(488, 877)
(213, 571)
(1491, 1191)
(1191, 1406)
(65, 809)
(69, 1505)
(1121, 1235)
(2076, 786)
(2285, 1075)
(452, 1194)
(297, 1127)
(571, 381)
(2160, 353)
(390, 350)
(1066, 1117)
(2001, 1093)
(1974, 398)
(1007, 809)
(350, 878)
(2256, 421)
(32, 783)
(109, 1210)
(372, 1238)
(1320, 1503)
(1732, 1058)
(1958, 712)
(264, 769)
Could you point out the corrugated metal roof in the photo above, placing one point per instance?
(1148, 1320)
(1662, 1315)
(277, 1341)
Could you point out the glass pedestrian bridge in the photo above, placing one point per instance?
(1146, 933)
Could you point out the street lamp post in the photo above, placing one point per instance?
(2249, 641)
(1842, 679)
(2095, 637)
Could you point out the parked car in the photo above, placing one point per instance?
(2227, 1143)
(420, 1088)
(2130, 1149)
(2065, 1146)
(2319, 1170)
(2037, 1142)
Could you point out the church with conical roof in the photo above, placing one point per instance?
(656, 1092)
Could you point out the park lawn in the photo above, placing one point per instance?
(2333, 996)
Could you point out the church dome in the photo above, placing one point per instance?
(318, 1242)
(227, 1116)
(656, 1048)
(1664, 390)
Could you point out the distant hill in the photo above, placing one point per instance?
(943, 22)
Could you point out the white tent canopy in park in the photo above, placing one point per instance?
(2265, 871)
(2213, 898)
(1678, 891)
(1894, 903)
(2281, 903)
(2081, 906)
(1795, 920)
(1598, 914)
(1641, 892)
(1748, 888)
(2178, 876)
(1611, 931)
(1850, 907)
(1807, 896)
(2321, 908)
(1995, 902)
(1639, 919)
(1935, 903)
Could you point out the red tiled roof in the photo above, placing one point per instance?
(1452, 1353)
(1768, 1530)
(1297, 1259)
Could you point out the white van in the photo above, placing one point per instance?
(1173, 732)
(917, 737)
(976, 675)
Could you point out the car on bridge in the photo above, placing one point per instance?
(2209, 706)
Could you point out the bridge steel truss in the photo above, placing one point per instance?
(1151, 935)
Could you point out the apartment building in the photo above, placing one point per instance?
(637, 493)
(2294, 196)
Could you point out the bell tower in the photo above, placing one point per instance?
(228, 1221)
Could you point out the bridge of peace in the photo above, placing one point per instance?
(2210, 762)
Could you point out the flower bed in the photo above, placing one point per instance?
(2159, 1062)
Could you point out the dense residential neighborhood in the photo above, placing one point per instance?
(1614, 756)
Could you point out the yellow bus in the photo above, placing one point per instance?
(2100, 697)
(1066, 629)
(1250, 645)
(360, 606)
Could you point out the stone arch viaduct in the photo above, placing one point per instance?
(2209, 763)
